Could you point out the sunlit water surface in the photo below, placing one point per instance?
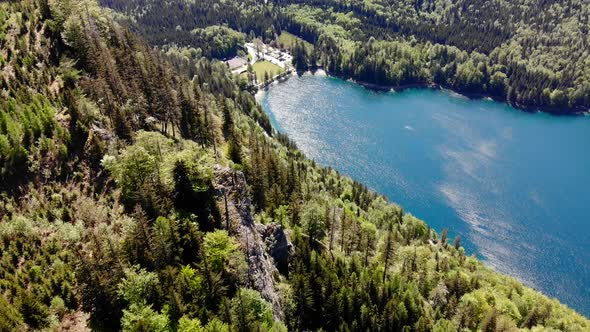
(515, 186)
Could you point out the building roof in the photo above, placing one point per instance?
(236, 62)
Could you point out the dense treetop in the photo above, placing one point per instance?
(526, 52)
(532, 54)
(144, 190)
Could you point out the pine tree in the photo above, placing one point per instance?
(388, 249)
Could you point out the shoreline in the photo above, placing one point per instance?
(578, 111)
(497, 268)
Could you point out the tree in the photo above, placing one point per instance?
(258, 46)
(388, 249)
(457, 242)
(343, 228)
(186, 324)
(267, 76)
(368, 240)
(498, 83)
(314, 222)
(331, 217)
(139, 172)
(250, 311)
(234, 150)
(444, 325)
(137, 245)
(558, 98)
(184, 194)
(140, 318)
(300, 57)
(304, 302)
(443, 237)
(10, 317)
(139, 286)
(34, 312)
(136, 168)
(215, 325)
(222, 252)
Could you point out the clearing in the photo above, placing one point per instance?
(261, 67)
(289, 39)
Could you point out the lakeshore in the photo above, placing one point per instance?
(428, 85)
(488, 172)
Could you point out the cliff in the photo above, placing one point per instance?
(264, 245)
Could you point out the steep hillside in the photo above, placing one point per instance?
(531, 54)
(136, 198)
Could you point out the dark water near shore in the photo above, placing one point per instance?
(514, 185)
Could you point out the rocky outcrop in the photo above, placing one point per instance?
(277, 244)
(263, 244)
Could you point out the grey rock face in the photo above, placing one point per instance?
(260, 242)
(277, 243)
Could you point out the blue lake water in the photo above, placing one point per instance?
(515, 186)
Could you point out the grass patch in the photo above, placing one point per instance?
(289, 39)
(261, 67)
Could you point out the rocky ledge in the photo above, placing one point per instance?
(267, 247)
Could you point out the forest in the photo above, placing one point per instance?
(143, 190)
(531, 54)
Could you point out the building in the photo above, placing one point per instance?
(237, 64)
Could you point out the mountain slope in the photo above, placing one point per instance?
(136, 198)
(531, 54)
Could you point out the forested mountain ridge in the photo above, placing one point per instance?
(532, 54)
(136, 198)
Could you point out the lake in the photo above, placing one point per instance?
(514, 185)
